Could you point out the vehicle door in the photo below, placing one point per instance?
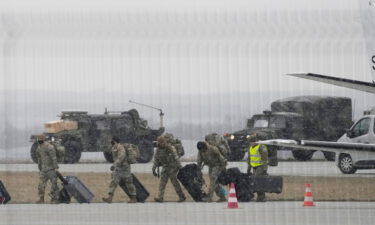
(361, 132)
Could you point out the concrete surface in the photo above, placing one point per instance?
(289, 213)
(311, 168)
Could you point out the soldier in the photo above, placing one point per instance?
(47, 164)
(210, 155)
(220, 142)
(258, 160)
(120, 171)
(166, 156)
(176, 143)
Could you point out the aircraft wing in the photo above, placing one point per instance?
(337, 147)
(342, 82)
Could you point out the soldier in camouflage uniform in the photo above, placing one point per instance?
(210, 155)
(176, 143)
(220, 142)
(120, 171)
(166, 156)
(47, 164)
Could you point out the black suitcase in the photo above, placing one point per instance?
(269, 184)
(242, 183)
(142, 193)
(191, 178)
(4, 195)
(64, 196)
(76, 188)
(246, 185)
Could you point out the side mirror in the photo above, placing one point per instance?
(349, 133)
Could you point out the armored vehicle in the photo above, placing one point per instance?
(82, 132)
(298, 118)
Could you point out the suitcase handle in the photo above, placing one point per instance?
(61, 177)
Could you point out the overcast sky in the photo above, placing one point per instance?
(179, 48)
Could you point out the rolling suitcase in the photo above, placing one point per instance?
(4, 195)
(192, 180)
(64, 196)
(76, 188)
(142, 193)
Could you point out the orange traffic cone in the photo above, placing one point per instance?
(308, 196)
(232, 200)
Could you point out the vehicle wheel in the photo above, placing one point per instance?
(73, 151)
(236, 155)
(146, 151)
(302, 155)
(108, 156)
(346, 164)
(330, 156)
(33, 152)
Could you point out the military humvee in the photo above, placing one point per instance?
(322, 118)
(93, 133)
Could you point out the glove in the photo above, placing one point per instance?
(154, 171)
(112, 168)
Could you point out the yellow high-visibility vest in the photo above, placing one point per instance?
(255, 157)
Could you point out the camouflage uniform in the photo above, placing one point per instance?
(216, 163)
(166, 156)
(260, 170)
(121, 171)
(220, 142)
(47, 164)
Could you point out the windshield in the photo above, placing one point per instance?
(261, 123)
(274, 122)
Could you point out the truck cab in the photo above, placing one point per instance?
(269, 125)
(363, 131)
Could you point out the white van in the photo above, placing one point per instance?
(363, 131)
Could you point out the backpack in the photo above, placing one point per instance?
(219, 142)
(60, 151)
(176, 143)
(132, 152)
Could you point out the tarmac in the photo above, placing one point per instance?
(340, 213)
(292, 168)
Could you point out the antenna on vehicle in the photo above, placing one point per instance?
(161, 114)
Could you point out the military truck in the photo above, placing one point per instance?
(82, 132)
(298, 118)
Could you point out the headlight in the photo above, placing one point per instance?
(248, 136)
(232, 137)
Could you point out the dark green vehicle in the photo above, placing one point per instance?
(299, 118)
(93, 133)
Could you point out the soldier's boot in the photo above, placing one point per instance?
(159, 199)
(133, 199)
(222, 199)
(181, 195)
(108, 199)
(182, 198)
(40, 201)
(207, 199)
(261, 197)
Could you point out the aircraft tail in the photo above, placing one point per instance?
(367, 12)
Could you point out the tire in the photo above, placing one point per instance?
(73, 151)
(108, 156)
(146, 151)
(302, 155)
(346, 164)
(236, 155)
(33, 152)
(330, 156)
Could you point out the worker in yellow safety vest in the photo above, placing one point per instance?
(258, 161)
